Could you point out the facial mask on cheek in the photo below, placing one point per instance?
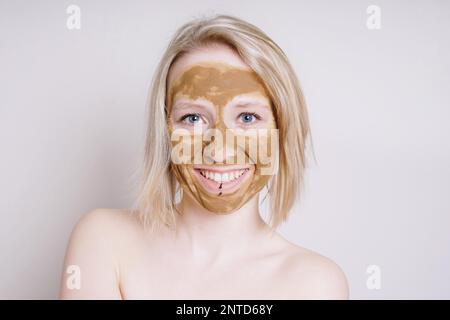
(224, 193)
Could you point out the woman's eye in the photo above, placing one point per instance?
(248, 117)
(191, 118)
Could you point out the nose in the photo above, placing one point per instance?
(221, 149)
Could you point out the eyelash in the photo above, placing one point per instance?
(189, 115)
(257, 116)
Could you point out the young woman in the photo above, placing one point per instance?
(196, 232)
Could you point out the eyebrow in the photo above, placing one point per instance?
(239, 104)
(188, 104)
(250, 103)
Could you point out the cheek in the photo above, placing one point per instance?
(255, 147)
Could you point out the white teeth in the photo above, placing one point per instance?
(224, 177)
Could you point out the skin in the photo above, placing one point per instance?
(209, 256)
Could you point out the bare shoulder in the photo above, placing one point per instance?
(107, 222)
(92, 254)
(109, 229)
(108, 226)
(310, 275)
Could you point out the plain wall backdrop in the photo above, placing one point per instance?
(72, 106)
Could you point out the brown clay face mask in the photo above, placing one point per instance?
(249, 153)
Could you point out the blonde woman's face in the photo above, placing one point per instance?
(222, 127)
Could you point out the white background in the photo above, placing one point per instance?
(72, 107)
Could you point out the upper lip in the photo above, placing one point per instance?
(221, 169)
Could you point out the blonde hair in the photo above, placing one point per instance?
(158, 187)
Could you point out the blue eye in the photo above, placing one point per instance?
(191, 118)
(248, 117)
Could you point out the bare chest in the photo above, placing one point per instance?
(177, 279)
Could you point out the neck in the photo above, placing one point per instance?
(210, 234)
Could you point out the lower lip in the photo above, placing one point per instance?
(227, 187)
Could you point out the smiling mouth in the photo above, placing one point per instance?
(222, 177)
(220, 182)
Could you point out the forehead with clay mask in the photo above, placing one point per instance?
(218, 91)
